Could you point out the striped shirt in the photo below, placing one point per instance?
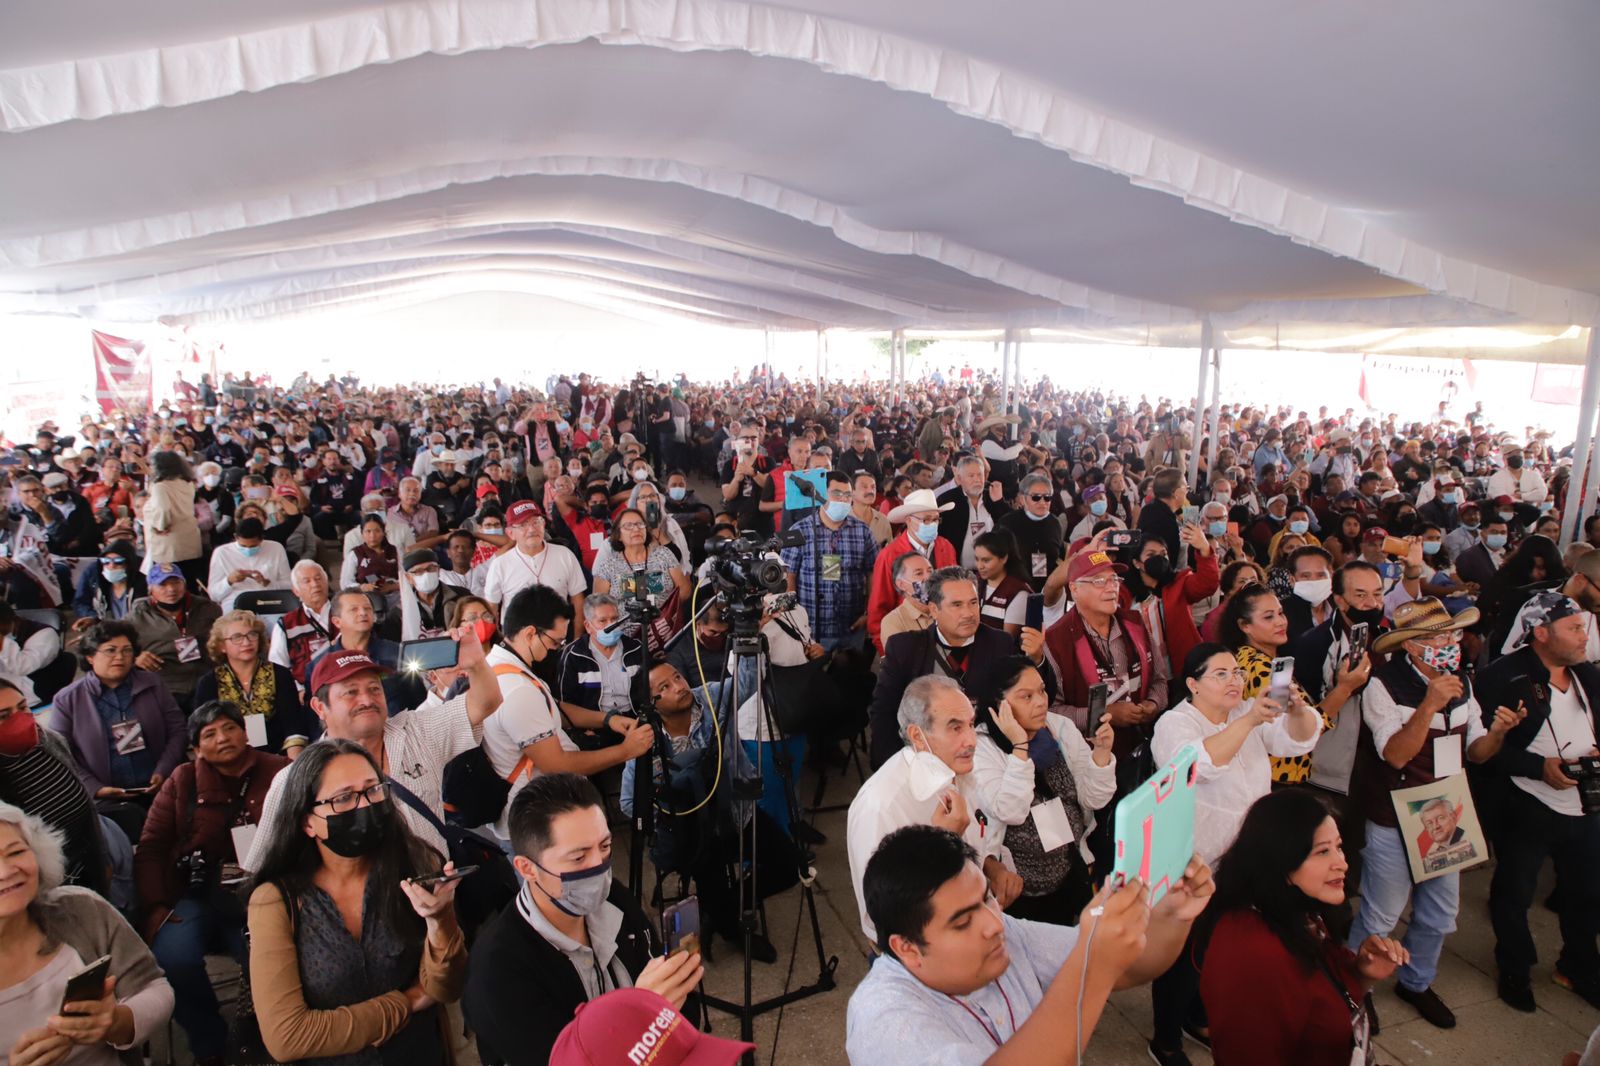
(44, 785)
(832, 569)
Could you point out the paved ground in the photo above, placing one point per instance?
(811, 1033)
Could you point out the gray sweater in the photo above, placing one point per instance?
(89, 925)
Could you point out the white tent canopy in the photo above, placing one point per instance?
(1052, 164)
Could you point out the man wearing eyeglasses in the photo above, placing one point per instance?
(832, 568)
(411, 749)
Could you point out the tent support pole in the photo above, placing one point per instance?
(1200, 398)
(819, 359)
(1215, 415)
(1016, 382)
(897, 361)
(1005, 373)
(1577, 493)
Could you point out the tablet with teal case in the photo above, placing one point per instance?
(1153, 827)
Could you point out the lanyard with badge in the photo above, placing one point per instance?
(1360, 1021)
(990, 1030)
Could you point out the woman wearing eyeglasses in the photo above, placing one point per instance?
(244, 677)
(1236, 740)
(349, 958)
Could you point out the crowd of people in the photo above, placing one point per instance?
(353, 683)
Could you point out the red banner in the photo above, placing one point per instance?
(121, 372)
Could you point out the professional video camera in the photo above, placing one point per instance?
(744, 571)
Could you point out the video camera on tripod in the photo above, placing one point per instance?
(744, 571)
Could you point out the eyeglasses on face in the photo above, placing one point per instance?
(345, 802)
(1101, 583)
(630, 526)
(1039, 497)
(115, 651)
(1223, 675)
(241, 638)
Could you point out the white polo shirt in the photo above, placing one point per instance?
(511, 572)
(527, 715)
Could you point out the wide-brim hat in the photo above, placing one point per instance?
(1422, 618)
(995, 420)
(916, 502)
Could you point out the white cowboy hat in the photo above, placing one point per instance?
(918, 502)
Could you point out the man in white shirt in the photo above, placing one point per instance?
(411, 748)
(1522, 483)
(929, 782)
(251, 563)
(1544, 813)
(527, 736)
(305, 631)
(533, 561)
(958, 983)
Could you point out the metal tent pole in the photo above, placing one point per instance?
(1577, 495)
(1199, 398)
(1016, 381)
(819, 359)
(1215, 415)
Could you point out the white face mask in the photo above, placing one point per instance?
(425, 583)
(211, 481)
(929, 775)
(1314, 592)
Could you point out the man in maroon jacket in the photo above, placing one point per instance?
(204, 812)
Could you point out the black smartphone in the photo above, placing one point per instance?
(1035, 616)
(1122, 538)
(433, 653)
(1360, 641)
(88, 983)
(682, 921)
(434, 880)
(1097, 707)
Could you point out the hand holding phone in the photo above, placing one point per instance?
(87, 985)
(1097, 707)
(1282, 681)
(441, 878)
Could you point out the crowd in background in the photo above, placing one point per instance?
(215, 737)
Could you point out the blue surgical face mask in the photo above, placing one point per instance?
(676, 492)
(1217, 529)
(249, 550)
(1097, 508)
(1495, 540)
(838, 510)
(1299, 528)
(1451, 497)
(562, 426)
(1430, 547)
(609, 637)
(928, 532)
(583, 892)
(116, 577)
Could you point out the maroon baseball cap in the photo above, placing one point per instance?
(338, 666)
(632, 1027)
(523, 511)
(1089, 564)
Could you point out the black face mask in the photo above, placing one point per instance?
(600, 512)
(1515, 462)
(358, 832)
(1373, 618)
(61, 497)
(1158, 567)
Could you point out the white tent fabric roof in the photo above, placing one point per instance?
(903, 163)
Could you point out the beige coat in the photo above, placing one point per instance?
(171, 532)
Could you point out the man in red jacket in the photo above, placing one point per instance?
(920, 513)
(1163, 597)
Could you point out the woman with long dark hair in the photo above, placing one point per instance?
(1534, 565)
(349, 957)
(1254, 626)
(1003, 581)
(1277, 986)
(1027, 760)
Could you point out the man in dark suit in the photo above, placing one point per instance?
(1158, 520)
(1478, 563)
(956, 645)
(978, 507)
(570, 936)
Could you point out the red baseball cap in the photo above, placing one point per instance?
(523, 511)
(487, 490)
(634, 1027)
(338, 666)
(1088, 564)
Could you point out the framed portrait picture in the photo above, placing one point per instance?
(1440, 827)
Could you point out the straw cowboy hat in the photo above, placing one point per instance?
(1421, 618)
(992, 421)
(918, 502)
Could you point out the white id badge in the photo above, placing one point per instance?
(255, 730)
(1446, 756)
(188, 648)
(243, 837)
(1050, 820)
(127, 736)
(1041, 565)
(597, 541)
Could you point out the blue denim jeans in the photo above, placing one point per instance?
(1385, 888)
(180, 947)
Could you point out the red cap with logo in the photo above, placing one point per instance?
(338, 666)
(1090, 564)
(635, 1027)
(523, 511)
